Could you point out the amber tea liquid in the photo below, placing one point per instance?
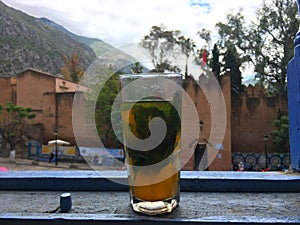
(153, 174)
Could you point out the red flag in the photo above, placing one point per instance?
(203, 63)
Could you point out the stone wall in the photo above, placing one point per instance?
(39, 91)
(252, 116)
(64, 116)
(215, 135)
(248, 116)
(6, 90)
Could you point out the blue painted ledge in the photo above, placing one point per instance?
(117, 181)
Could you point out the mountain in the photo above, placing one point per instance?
(106, 53)
(100, 47)
(26, 41)
(39, 43)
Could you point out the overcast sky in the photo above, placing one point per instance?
(122, 22)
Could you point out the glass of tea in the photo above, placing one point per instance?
(151, 122)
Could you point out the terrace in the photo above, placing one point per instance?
(97, 198)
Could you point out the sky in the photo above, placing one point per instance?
(122, 22)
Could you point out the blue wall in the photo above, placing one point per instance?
(293, 85)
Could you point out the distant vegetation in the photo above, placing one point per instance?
(266, 44)
(12, 127)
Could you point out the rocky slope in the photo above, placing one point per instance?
(100, 47)
(27, 41)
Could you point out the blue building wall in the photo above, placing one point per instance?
(293, 85)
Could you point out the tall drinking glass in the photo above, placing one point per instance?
(151, 120)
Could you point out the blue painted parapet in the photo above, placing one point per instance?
(293, 84)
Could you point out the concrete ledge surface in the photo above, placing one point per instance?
(29, 207)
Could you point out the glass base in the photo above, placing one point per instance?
(154, 208)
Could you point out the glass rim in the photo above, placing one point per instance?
(150, 75)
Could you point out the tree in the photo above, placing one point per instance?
(280, 136)
(104, 104)
(233, 63)
(101, 104)
(278, 25)
(230, 58)
(203, 56)
(72, 70)
(163, 46)
(187, 47)
(12, 126)
(267, 44)
(137, 68)
(215, 63)
(205, 34)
